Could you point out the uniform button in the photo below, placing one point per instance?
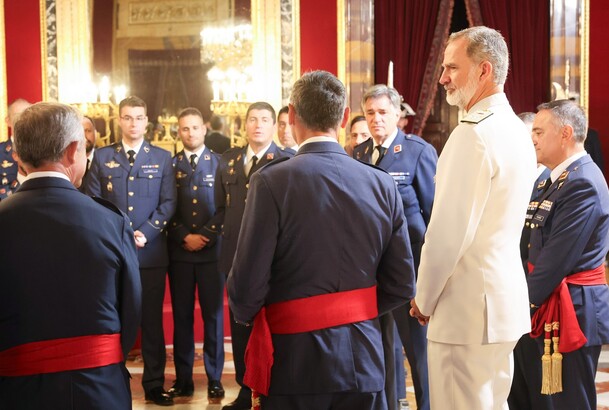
(247, 186)
(130, 223)
(109, 176)
(164, 223)
(529, 246)
(156, 222)
(194, 225)
(175, 223)
(528, 224)
(532, 226)
(195, 188)
(213, 227)
(130, 208)
(131, 194)
(194, 201)
(210, 184)
(194, 214)
(149, 176)
(131, 178)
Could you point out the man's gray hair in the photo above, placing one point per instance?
(381, 90)
(566, 112)
(44, 131)
(486, 44)
(319, 100)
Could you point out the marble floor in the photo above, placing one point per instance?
(200, 402)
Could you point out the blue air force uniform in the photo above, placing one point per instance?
(569, 225)
(199, 269)
(146, 192)
(8, 170)
(412, 163)
(231, 188)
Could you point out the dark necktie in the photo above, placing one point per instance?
(88, 165)
(547, 185)
(131, 158)
(193, 161)
(253, 167)
(381, 151)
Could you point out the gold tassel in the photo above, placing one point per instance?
(255, 400)
(546, 363)
(556, 362)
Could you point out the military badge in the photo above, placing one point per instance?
(358, 155)
(542, 184)
(231, 163)
(563, 176)
(180, 157)
(366, 150)
(2, 191)
(397, 148)
(112, 164)
(231, 171)
(109, 187)
(239, 157)
(147, 149)
(180, 175)
(6, 164)
(8, 148)
(546, 205)
(119, 148)
(270, 156)
(4, 181)
(206, 157)
(14, 184)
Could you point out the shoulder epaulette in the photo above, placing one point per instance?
(477, 116)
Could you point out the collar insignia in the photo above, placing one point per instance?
(206, 157)
(270, 156)
(147, 149)
(397, 148)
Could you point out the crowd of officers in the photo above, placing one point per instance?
(186, 215)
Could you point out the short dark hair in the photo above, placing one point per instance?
(216, 123)
(190, 111)
(357, 119)
(319, 100)
(283, 110)
(566, 112)
(132, 101)
(261, 105)
(45, 130)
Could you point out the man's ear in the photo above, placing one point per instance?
(71, 151)
(345, 120)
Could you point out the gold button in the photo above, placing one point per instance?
(131, 208)
(247, 186)
(213, 227)
(130, 223)
(532, 226)
(164, 222)
(210, 184)
(194, 201)
(175, 223)
(528, 224)
(131, 194)
(194, 225)
(195, 188)
(109, 176)
(131, 178)
(149, 176)
(156, 222)
(194, 214)
(529, 246)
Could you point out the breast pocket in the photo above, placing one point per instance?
(149, 182)
(112, 182)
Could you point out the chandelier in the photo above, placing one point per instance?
(227, 45)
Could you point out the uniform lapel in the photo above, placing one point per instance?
(121, 157)
(393, 152)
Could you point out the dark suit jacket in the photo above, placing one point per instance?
(412, 163)
(299, 239)
(195, 207)
(217, 142)
(146, 192)
(69, 268)
(230, 193)
(570, 237)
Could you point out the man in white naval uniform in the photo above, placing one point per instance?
(470, 287)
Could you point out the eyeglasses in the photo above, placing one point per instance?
(128, 118)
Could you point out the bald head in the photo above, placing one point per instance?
(14, 110)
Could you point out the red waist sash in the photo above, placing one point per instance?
(299, 316)
(559, 308)
(60, 355)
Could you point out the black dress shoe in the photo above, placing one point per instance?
(215, 389)
(159, 397)
(182, 389)
(239, 404)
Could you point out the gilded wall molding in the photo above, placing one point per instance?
(3, 96)
(48, 50)
(155, 12)
(290, 47)
(585, 57)
(266, 24)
